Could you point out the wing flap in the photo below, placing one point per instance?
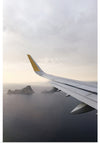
(77, 94)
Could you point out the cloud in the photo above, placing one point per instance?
(53, 31)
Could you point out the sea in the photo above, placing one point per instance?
(45, 117)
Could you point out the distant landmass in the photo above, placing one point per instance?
(54, 89)
(26, 90)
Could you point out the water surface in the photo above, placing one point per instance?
(45, 117)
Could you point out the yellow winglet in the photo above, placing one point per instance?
(34, 65)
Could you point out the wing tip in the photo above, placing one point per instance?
(33, 63)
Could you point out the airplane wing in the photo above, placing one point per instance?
(82, 91)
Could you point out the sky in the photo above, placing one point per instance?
(60, 35)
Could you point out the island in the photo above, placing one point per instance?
(53, 90)
(26, 90)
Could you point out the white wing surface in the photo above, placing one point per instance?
(82, 91)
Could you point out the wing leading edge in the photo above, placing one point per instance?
(82, 91)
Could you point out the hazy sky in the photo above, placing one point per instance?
(61, 35)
